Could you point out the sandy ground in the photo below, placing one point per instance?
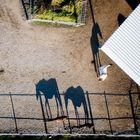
(30, 53)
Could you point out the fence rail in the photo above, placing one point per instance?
(98, 113)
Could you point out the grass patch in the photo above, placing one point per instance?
(51, 24)
(49, 15)
(58, 10)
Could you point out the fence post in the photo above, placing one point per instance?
(92, 12)
(25, 11)
(108, 113)
(91, 117)
(137, 104)
(67, 115)
(16, 128)
(75, 11)
(133, 113)
(43, 114)
(32, 7)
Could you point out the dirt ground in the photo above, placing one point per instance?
(30, 53)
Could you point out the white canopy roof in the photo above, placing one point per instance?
(123, 47)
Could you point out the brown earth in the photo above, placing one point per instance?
(29, 53)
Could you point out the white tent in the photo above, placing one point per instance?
(123, 47)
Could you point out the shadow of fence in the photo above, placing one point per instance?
(107, 114)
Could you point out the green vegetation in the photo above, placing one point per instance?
(50, 15)
(51, 24)
(58, 10)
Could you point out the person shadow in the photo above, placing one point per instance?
(49, 89)
(77, 97)
(95, 45)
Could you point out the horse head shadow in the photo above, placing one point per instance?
(77, 97)
(50, 89)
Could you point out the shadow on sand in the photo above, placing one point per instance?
(49, 89)
(78, 99)
(95, 45)
(94, 41)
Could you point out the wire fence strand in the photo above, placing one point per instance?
(22, 113)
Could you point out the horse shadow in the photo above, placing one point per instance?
(49, 89)
(77, 97)
(95, 45)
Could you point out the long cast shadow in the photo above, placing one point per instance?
(95, 45)
(94, 41)
(50, 89)
(91, 10)
(77, 97)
